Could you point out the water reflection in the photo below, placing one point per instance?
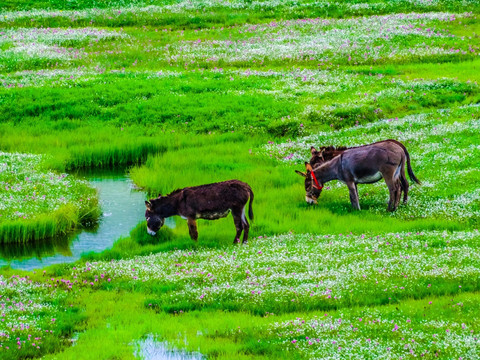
(122, 208)
(150, 349)
(37, 249)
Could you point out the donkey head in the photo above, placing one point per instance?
(155, 220)
(318, 157)
(324, 154)
(313, 188)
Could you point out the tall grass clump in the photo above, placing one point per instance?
(79, 146)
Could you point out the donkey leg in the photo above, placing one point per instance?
(352, 188)
(405, 186)
(392, 188)
(192, 228)
(398, 193)
(237, 219)
(246, 227)
(403, 181)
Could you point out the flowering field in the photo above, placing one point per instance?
(193, 92)
(35, 204)
(30, 317)
(278, 274)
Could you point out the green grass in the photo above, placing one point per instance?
(41, 226)
(187, 101)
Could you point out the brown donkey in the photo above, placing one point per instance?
(361, 165)
(211, 202)
(326, 153)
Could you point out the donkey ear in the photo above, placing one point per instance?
(149, 206)
(301, 173)
(313, 151)
(308, 167)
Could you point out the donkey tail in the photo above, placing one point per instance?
(409, 167)
(250, 210)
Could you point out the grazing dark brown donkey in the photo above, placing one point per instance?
(326, 153)
(211, 202)
(363, 165)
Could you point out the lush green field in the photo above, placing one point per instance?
(187, 93)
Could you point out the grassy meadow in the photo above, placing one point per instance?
(185, 93)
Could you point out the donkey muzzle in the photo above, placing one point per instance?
(151, 232)
(310, 200)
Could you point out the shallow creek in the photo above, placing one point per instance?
(151, 349)
(122, 209)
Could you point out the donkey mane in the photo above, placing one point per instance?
(342, 148)
(332, 148)
(176, 191)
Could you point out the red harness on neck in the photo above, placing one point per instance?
(316, 185)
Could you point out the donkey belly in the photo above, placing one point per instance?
(213, 215)
(369, 178)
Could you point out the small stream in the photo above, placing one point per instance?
(151, 349)
(122, 209)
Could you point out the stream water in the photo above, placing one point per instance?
(122, 209)
(151, 349)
